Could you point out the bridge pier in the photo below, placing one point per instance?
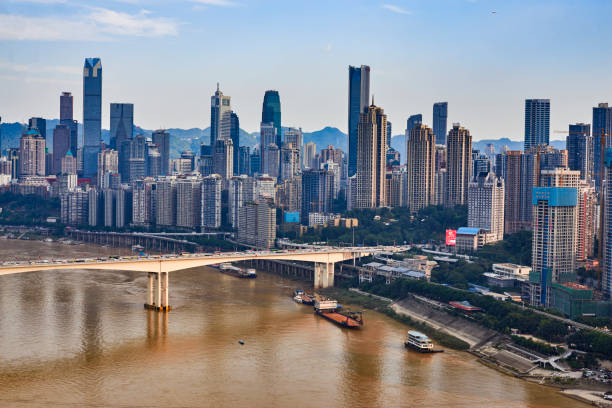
(157, 291)
(323, 275)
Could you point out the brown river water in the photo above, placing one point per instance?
(83, 338)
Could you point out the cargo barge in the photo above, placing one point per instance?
(329, 309)
(237, 272)
(301, 297)
(420, 342)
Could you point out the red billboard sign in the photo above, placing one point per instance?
(451, 237)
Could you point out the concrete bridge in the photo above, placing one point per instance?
(158, 267)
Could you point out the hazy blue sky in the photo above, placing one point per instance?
(166, 57)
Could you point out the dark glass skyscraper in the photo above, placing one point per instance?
(602, 125)
(271, 113)
(389, 133)
(358, 102)
(121, 123)
(537, 122)
(412, 121)
(66, 118)
(162, 139)
(39, 124)
(579, 154)
(234, 130)
(92, 115)
(440, 116)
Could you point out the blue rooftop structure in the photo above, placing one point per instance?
(468, 231)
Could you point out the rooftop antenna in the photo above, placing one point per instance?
(217, 87)
(373, 100)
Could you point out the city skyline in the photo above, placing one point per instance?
(402, 89)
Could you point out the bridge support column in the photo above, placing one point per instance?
(157, 291)
(323, 275)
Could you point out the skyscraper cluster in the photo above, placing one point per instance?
(561, 195)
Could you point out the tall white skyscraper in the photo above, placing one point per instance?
(486, 204)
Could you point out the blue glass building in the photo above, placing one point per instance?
(579, 154)
(358, 101)
(412, 121)
(121, 123)
(271, 113)
(537, 122)
(602, 125)
(92, 115)
(440, 116)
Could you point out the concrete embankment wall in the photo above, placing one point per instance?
(470, 332)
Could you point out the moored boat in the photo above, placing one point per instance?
(301, 297)
(237, 272)
(420, 342)
(329, 309)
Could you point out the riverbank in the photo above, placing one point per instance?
(386, 306)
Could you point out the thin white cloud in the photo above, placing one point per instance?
(20, 68)
(221, 3)
(396, 9)
(39, 1)
(99, 25)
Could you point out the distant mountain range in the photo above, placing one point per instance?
(191, 139)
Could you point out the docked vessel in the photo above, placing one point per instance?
(301, 297)
(420, 342)
(230, 269)
(330, 310)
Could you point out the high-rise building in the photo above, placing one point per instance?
(211, 201)
(554, 233)
(412, 121)
(223, 157)
(295, 136)
(143, 202)
(258, 219)
(219, 105)
(74, 208)
(268, 149)
(486, 204)
(395, 189)
(240, 192)
(162, 139)
(61, 146)
(606, 276)
(255, 162)
(579, 150)
(92, 114)
(587, 219)
(244, 160)
(137, 159)
(271, 113)
(66, 118)
(440, 116)
(39, 124)
(317, 193)
(189, 202)
(421, 167)
(230, 129)
(601, 128)
(389, 134)
(358, 101)
(289, 195)
(32, 154)
(331, 154)
(458, 166)
(121, 124)
(165, 201)
(310, 153)
(68, 164)
(153, 161)
(480, 164)
(371, 158)
(537, 122)
(290, 161)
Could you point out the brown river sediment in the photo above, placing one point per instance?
(83, 338)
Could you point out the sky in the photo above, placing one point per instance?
(484, 57)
